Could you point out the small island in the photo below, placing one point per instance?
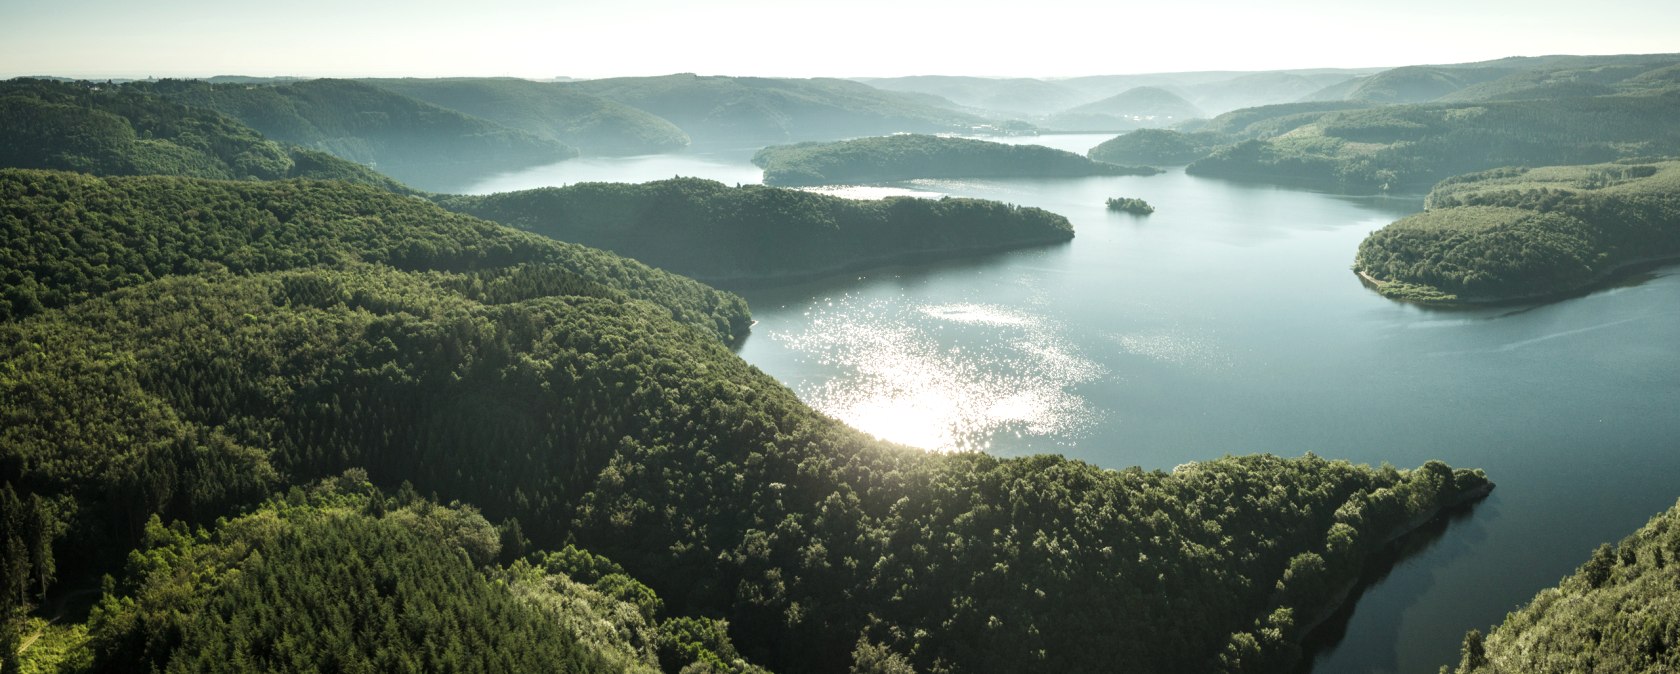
(753, 234)
(1523, 234)
(912, 156)
(1130, 205)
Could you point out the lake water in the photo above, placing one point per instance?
(1229, 322)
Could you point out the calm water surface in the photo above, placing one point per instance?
(1228, 322)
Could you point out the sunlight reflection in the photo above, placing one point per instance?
(947, 376)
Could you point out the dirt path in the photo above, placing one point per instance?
(58, 612)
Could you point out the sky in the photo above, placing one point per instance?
(796, 38)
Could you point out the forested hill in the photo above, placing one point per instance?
(911, 156)
(405, 137)
(553, 111)
(1568, 110)
(1525, 233)
(1154, 147)
(107, 130)
(69, 237)
(1619, 612)
(706, 230)
(1412, 146)
(757, 111)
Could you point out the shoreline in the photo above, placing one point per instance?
(1103, 169)
(1596, 282)
(760, 281)
(1340, 598)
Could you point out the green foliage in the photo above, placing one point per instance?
(1154, 147)
(706, 230)
(1513, 233)
(1620, 612)
(1272, 120)
(553, 111)
(312, 581)
(364, 123)
(1130, 205)
(114, 130)
(758, 111)
(1409, 146)
(70, 237)
(910, 156)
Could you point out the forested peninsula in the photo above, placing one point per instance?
(1619, 612)
(709, 231)
(1515, 233)
(912, 156)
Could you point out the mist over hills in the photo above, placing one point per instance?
(592, 124)
(758, 111)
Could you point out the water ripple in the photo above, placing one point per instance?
(944, 376)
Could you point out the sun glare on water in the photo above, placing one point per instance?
(944, 377)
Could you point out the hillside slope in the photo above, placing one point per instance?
(95, 128)
(1619, 612)
(406, 138)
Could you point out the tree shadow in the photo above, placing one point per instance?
(1330, 634)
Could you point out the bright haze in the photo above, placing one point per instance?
(604, 38)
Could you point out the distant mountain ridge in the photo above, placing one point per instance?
(1138, 107)
(406, 138)
(761, 110)
(590, 123)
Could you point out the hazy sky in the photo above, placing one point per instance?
(596, 38)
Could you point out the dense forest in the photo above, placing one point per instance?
(571, 412)
(553, 111)
(1619, 612)
(1154, 147)
(1521, 233)
(109, 130)
(366, 124)
(754, 111)
(1406, 128)
(69, 237)
(911, 156)
(338, 575)
(706, 230)
(1412, 146)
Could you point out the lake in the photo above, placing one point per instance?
(1229, 322)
